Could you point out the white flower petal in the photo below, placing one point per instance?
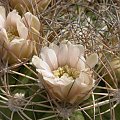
(57, 93)
(60, 87)
(66, 89)
(54, 47)
(46, 74)
(73, 55)
(49, 56)
(22, 30)
(12, 18)
(2, 22)
(31, 21)
(3, 36)
(27, 19)
(82, 50)
(56, 81)
(2, 12)
(85, 78)
(78, 91)
(35, 23)
(74, 90)
(40, 64)
(81, 63)
(4, 43)
(92, 60)
(63, 81)
(21, 48)
(62, 54)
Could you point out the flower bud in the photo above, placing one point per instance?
(19, 36)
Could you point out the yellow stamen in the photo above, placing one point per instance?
(12, 33)
(72, 72)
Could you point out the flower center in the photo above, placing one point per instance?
(71, 72)
(12, 33)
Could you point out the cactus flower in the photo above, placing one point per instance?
(67, 75)
(16, 35)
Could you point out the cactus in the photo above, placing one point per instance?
(64, 30)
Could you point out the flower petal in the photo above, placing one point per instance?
(66, 89)
(12, 18)
(81, 63)
(58, 87)
(20, 49)
(22, 30)
(47, 75)
(73, 55)
(2, 22)
(63, 81)
(35, 23)
(92, 60)
(73, 90)
(31, 21)
(62, 54)
(54, 47)
(56, 81)
(57, 93)
(85, 78)
(3, 36)
(39, 63)
(78, 91)
(4, 43)
(2, 12)
(49, 56)
(81, 48)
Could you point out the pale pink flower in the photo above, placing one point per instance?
(67, 75)
(16, 36)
